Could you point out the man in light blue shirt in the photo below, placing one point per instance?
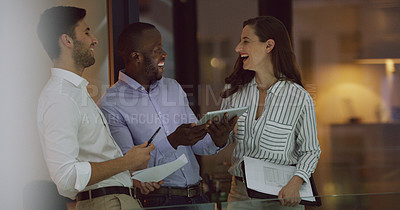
(142, 101)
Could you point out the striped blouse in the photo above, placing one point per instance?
(284, 134)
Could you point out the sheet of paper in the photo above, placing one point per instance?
(269, 178)
(158, 173)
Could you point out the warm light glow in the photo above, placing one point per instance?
(217, 63)
(377, 61)
(390, 66)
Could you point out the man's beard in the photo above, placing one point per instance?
(151, 70)
(82, 57)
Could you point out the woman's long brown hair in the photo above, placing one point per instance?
(282, 56)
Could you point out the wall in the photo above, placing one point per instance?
(25, 68)
(343, 89)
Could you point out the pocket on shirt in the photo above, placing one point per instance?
(275, 136)
(241, 131)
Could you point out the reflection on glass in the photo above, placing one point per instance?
(365, 201)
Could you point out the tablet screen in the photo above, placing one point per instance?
(220, 113)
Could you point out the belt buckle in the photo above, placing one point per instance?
(191, 192)
(90, 195)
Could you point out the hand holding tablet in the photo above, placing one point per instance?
(220, 113)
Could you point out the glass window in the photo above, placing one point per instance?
(349, 52)
(159, 13)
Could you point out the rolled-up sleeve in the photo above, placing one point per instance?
(60, 124)
(307, 140)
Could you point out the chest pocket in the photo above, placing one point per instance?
(275, 136)
(241, 131)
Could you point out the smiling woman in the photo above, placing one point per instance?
(280, 124)
(259, 37)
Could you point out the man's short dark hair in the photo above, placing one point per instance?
(130, 39)
(57, 21)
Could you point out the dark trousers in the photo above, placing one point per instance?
(153, 200)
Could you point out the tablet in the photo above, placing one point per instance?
(220, 113)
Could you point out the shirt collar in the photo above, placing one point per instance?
(274, 89)
(69, 76)
(133, 83)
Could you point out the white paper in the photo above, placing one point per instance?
(158, 173)
(269, 178)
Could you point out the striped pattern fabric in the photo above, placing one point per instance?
(284, 134)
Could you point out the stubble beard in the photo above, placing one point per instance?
(81, 56)
(151, 70)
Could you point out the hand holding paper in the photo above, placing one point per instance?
(147, 187)
(269, 178)
(138, 156)
(158, 173)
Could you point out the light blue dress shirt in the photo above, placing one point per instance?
(134, 115)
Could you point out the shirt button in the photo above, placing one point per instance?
(159, 112)
(183, 169)
(166, 131)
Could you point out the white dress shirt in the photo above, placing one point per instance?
(285, 133)
(74, 132)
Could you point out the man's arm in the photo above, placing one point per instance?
(188, 134)
(118, 127)
(135, 159)
(59, 123)
(122, 135)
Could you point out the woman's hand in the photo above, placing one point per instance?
(289, 194)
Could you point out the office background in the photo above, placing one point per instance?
(349, 52)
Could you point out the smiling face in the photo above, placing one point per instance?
(253, 52)
(84, 42)
(154, 55)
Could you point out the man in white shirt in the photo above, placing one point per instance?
(83, 159)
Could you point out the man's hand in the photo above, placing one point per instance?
(219, 130)
(187, 135)
(146, 188)
(289, 194)
(138, 156)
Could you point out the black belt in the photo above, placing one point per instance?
(190, 191)
(90, 194)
